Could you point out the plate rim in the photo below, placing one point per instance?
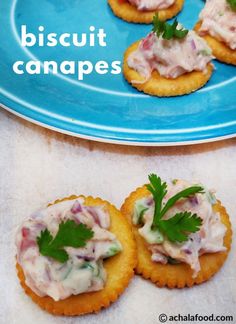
(116, 137)
(114, 141)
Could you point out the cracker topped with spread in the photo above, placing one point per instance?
(183, 233)
(218, 27)
(69, 255)
(169, 61)
(142, 11)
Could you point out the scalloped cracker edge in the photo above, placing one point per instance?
(220, 50)
(161, 86)
(124, 10)
(120, 270)
(179, 275)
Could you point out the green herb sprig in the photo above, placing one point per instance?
(167, 31)
(69, 234)
(178, 227)
(232, 4)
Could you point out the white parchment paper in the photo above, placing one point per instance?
(37, 166)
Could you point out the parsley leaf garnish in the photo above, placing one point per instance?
(232, 4)
(167, 31)
(178, 227)
(158, 190)
(69, 234)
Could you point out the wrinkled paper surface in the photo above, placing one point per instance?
(37, 166)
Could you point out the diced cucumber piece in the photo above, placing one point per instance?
(152, 236)
(205, 52)
(210, 197)
(172, 261)
(87, 265)
(114, 249)
(140, 208)
(67, 273)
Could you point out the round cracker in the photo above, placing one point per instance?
(123, 9)
(178, 275)
(220, 50)
(119, 268)
(161, 86)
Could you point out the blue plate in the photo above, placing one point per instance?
(105, 107)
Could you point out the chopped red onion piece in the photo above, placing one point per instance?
(25, 244)
(86, 257)
(147, 42)
(150, 201)
(193, 200)
(25, 232)
(76, 208)
(193, 45)
(48, 273)
(94, 214)
(187, 251)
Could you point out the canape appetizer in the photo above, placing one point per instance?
(169, 61)
(142, 11)
(76, 256)
(183, 233)
(217, 26)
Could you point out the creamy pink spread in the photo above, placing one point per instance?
(219, 20)
(171, 58)
(84, 271)
(149, 5)
(209, 239)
